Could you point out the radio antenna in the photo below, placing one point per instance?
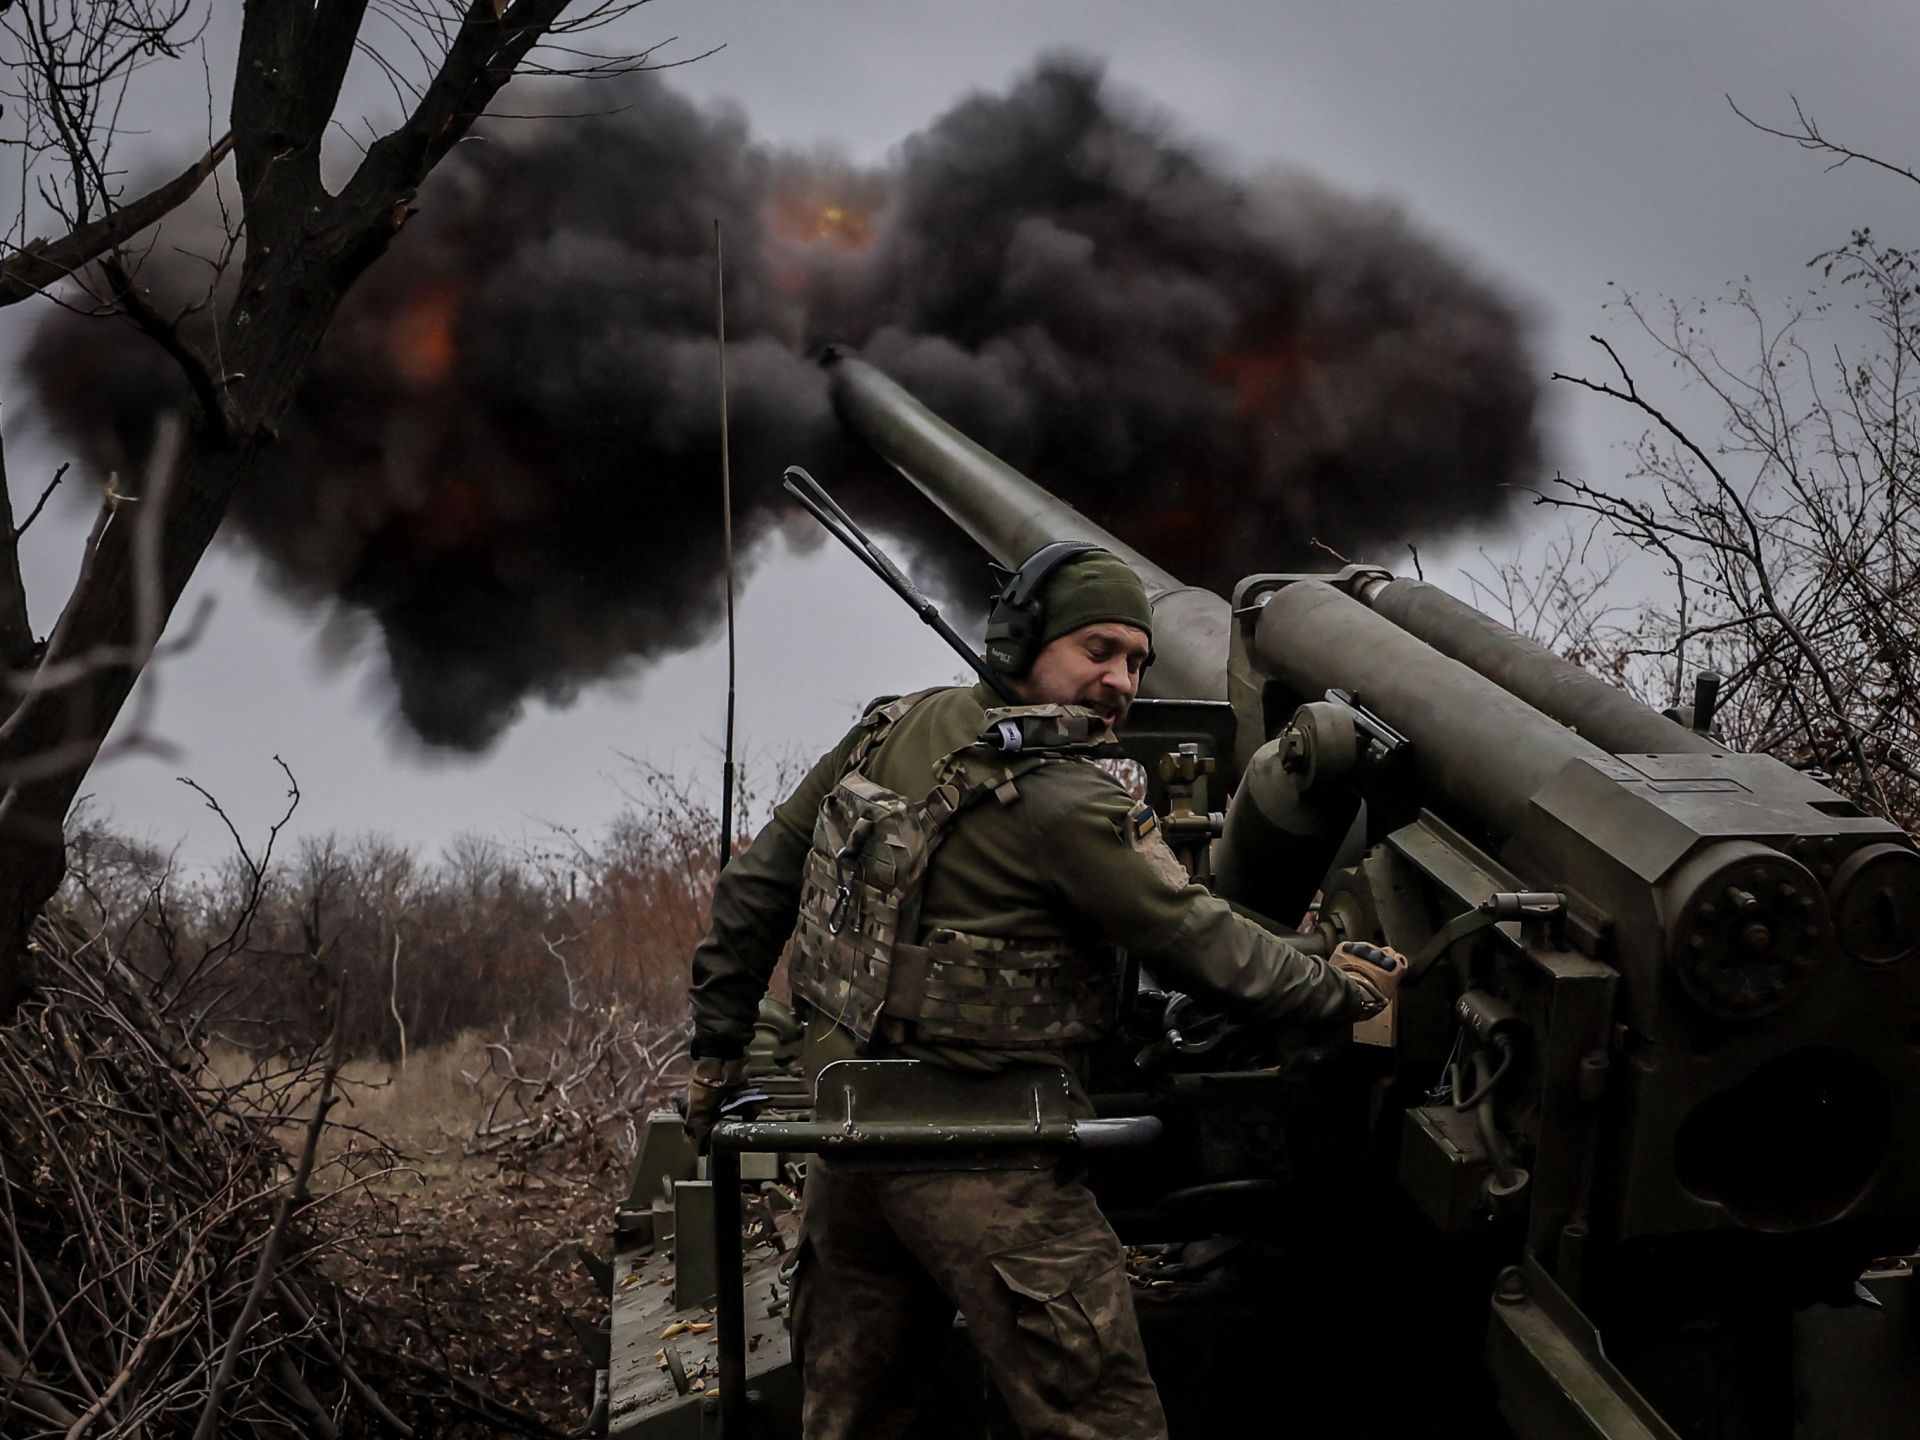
(726, 541)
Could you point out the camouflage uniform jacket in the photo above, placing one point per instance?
(1065, 861)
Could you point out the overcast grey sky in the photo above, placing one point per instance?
(1559, 146)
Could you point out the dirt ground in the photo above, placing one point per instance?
(468, 1263)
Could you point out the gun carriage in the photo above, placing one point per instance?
(1624, 1157)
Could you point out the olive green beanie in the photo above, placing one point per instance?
(1091, 589)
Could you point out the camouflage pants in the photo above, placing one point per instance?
(887, 1258)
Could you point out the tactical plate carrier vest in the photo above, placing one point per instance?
(859, 955)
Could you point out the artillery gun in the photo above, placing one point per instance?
(1626, 1157)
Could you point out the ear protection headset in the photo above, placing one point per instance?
(1016, 617)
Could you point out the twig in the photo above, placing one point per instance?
(1808, 137)
(297, 1302)
(1318, 544)
(131, 1365)
(270, 1252)
(41, 503)
(393, 997)
(30, 1391)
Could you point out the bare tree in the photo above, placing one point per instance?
(298, 245)
(1792, 536)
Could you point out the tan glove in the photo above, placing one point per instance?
(708, 1087)
(1378, 969)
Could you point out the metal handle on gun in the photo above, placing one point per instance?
(1501, 906)
(1369, 724)
(837, 523)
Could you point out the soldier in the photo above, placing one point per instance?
(990, 941)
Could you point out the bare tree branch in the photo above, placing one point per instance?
(16, 626)
(1754, 554)
(36, 267)
(59, 474)
(1807, 136)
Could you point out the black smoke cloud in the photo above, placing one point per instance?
(507, 454)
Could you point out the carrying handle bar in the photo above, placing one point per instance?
(813, 496)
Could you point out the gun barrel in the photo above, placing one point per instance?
(1609, 717)
(1010, 517)
(1484, 750)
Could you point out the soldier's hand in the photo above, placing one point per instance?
(1376, 967)
(708, 1086)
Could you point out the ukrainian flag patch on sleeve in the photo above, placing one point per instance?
(1143, 821)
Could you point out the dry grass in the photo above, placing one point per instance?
(428, 1108)
(425, 1106)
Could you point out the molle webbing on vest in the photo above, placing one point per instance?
(992, 992)
(855, 953)
(844, 973)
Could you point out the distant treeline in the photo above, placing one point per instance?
(486, 936)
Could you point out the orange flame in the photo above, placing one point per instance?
(421, 339)
(805, 216)
(817, 213)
